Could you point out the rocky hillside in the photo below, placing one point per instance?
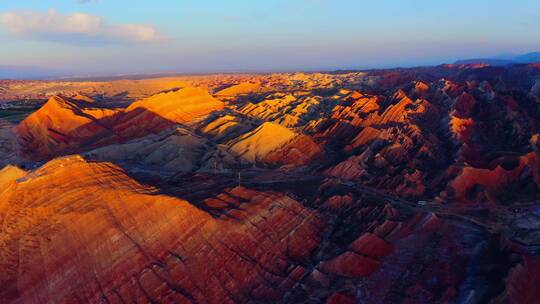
(386, 186)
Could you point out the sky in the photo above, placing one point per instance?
(91, 37)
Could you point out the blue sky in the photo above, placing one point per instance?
(136, 36)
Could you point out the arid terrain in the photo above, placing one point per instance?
(417, 185)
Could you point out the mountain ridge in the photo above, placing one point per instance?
(412, 185)
(527, 58)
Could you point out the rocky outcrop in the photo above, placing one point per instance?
(362, 259)
(489, 185)
(289, 110)
(186, 106)
(256, 145)
(226, 127)
(239, 89)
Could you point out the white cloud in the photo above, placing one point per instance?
(75, 28)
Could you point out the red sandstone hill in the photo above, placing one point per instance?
(128, 243)
(65, 125)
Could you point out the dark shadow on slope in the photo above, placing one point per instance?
(118, 128)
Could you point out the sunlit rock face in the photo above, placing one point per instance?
(489, 185)
(388, 186)
(243, 88)
(185, 106)
(65, 125)
(98, 234)
(271, 143)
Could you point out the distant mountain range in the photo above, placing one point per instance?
(505, 59)
(40, 73)
(27, 72)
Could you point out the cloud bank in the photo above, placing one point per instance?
(75, 28)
